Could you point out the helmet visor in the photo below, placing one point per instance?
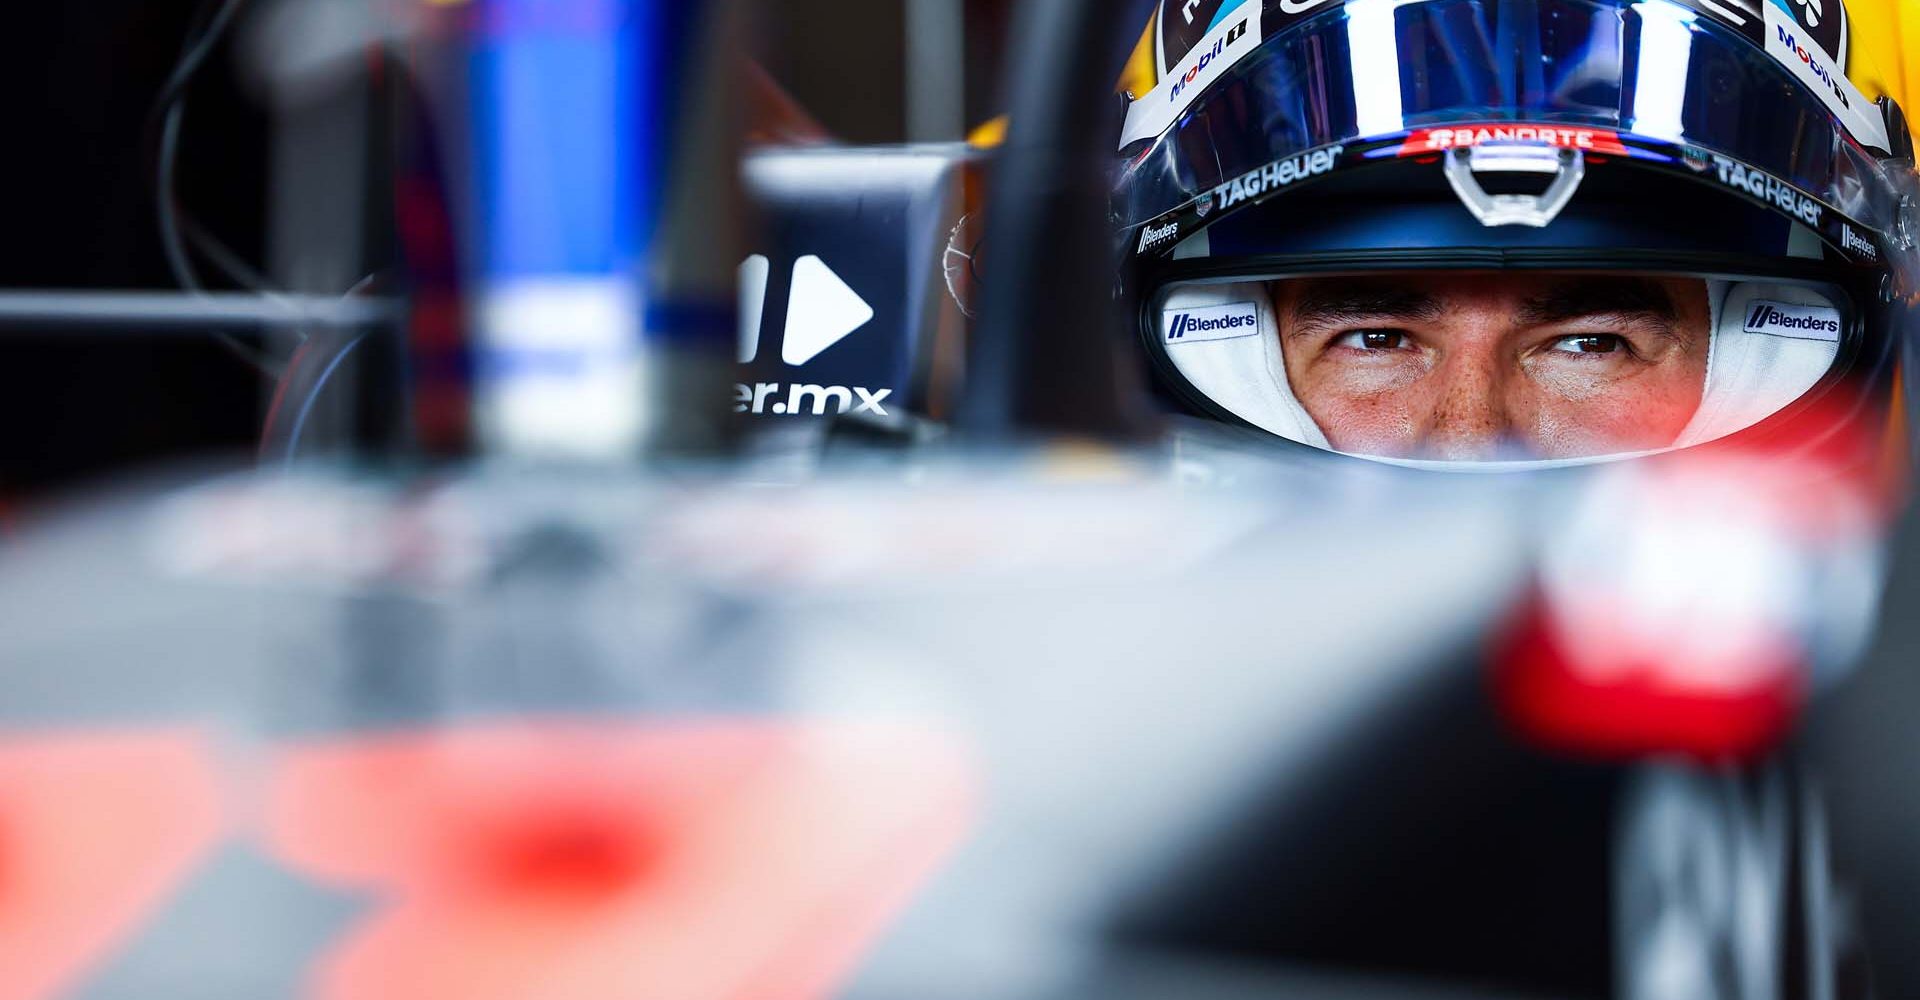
(1583, 73)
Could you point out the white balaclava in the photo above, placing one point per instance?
(1770, 344)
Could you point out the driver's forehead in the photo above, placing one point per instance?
(1443, 292)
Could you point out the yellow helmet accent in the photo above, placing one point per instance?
(1885, 43)
(990, 134)
(1141, 75)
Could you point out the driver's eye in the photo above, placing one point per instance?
(1374, 340)
(1590, 343)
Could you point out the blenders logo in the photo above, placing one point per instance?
(1228, 322)
(1185, 323)
(1816, 61)
(1785, 319)
(1275, 176)
(1153, 237)
(1769, 189)
(1852, 241)
(1207, 59)
(1425, 141)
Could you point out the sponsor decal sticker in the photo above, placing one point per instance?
(1153, 237)
(1183, 23)
(1858, 245)
(822, 311)
(1800, 51)
(1427, 141)
(1796, 322)
(1825, 24)
(1228, 322)
(1200, 69)
(1154, 113)
(1275, 176)
(1769, 189)
(797, 400)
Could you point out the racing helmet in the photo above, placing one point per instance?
(1539, 230)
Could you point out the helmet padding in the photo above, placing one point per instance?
(1246, 376)
(1752, 372)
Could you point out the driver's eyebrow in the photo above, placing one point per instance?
(1624, 298)
(1321, 303)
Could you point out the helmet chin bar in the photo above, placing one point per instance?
(1569, 167)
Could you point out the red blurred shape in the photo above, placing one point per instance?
(1639, 704)
(1685, 601)
(95, 830)
(726, 860)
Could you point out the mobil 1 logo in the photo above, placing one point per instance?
(1183, 23)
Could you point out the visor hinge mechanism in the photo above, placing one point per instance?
(1463, 164)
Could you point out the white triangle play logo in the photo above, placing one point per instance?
(821, 311)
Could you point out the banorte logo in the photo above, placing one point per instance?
(1427, 141)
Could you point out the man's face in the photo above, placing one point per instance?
(1481, 366)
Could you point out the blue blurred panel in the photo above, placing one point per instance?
(558, 105)
(564, 149)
